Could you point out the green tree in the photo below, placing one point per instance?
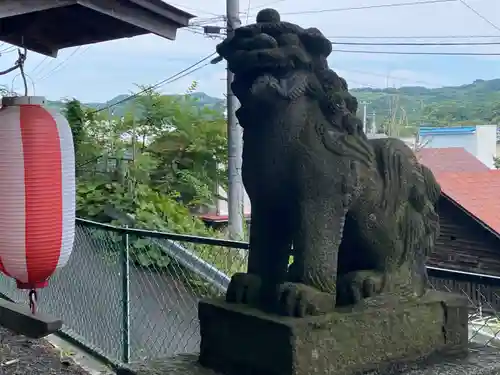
(76, 117)
(178, 154)
(192, 151)
(80, 119)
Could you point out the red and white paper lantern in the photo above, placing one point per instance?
(37, 191)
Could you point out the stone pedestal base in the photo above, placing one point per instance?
(480, 361)
(238, 340)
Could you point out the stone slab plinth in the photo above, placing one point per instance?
(20, 319)
(479, 361)
(237, 340)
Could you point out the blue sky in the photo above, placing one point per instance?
(102, 71)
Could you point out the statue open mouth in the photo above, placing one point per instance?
(263, 86)
(266, 84)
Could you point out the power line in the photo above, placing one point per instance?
(8, 49)
(248, 10)
(42, 66)
(480, 15)
(193, 9)
(389, 5)
(387, 75)
(415, 37)
(183, 73)
(416, 44)
(418, 53)
(54, 70)
(206, 21)
(39, 65)
(265, 5)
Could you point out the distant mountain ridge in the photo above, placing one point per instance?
(474, 103)
(119, 105)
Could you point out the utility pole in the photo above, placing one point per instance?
(234, 139)
(374, 124)
(364, 117)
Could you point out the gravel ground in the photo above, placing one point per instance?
(22, 356)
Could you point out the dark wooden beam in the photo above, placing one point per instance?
(166, 10)
(33, 46)
(45, 26)
(134, 15)
(79, 31)
(19, 319)
(10, 8)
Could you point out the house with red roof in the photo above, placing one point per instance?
(469, 211)
(450, 159)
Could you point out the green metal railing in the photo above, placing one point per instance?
(130, 294)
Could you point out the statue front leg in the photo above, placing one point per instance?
(270, 242)
(317, 241)
(313, 275)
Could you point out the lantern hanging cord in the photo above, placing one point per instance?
(19, 64)
(32, 295)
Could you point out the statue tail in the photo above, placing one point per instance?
(432, 187)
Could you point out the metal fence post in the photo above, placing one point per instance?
(125, 297)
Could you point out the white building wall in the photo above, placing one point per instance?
(222, 206)
(467, 141)
(486, 145)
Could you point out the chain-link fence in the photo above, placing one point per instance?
(483, 293)
(133, 294)
(87, 293)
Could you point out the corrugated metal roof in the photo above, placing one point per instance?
(477, 192)
(423, 131)
(451, 159)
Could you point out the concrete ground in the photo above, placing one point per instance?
(80, 357)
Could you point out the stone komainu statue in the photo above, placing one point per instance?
(357, 215)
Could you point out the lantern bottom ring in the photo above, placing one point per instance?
(29, 286)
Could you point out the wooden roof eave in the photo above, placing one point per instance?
(136, 17)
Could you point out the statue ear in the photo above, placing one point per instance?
(240, 115)
(316, 43)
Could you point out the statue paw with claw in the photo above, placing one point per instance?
(244, 288)
(299, 300)
(358, 285)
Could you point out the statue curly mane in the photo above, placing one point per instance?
(272, 46)
(286, 47)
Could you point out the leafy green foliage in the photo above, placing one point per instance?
(149, 209)
(155, 164)
(80, 119)
(76, 117)
(153, 211)
(191, 152)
